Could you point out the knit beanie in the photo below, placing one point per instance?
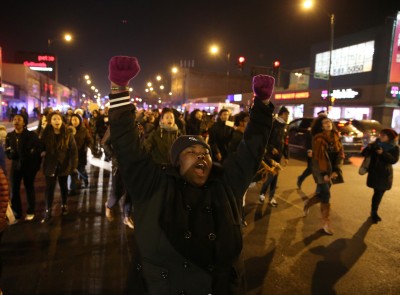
(184, 142)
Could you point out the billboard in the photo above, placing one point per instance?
(346, 60)
(395, 62)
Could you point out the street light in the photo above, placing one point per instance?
(67, 38)
(307, 5)
(214, 50)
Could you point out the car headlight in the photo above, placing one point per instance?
(347, 138)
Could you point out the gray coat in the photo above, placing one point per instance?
(165, 261)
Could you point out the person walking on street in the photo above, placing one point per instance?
(220, 135)
(241, 121)
(187, 213)
(60, 158)
(159, 142)
(384, 153)
(277, 149)
(83, 141)
(118, 189)
(327, 160)
(308, 171)
(23, 148)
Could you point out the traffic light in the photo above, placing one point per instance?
(275, 67)
(240, 62)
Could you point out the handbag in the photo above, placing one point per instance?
(339, 179)
(364, 166)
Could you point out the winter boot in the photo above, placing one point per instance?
(310, 202)
(325, 210)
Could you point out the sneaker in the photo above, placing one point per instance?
(261, 199)
(29, 217)
(109, 213)
(273, 202)
(129, 222)
(64, 209)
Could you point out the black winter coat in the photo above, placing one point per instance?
(220, 136)
(83, 140)
(167, 228)
(60, 162)
(24, 150)
(380, 171)
(277, 140)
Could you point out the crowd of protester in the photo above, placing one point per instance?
(192, 143)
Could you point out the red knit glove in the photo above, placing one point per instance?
(122, 69)
(263, 86)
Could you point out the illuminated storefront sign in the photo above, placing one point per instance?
(43, 63)
(234, 98)
(395, 91)
(8, 90)
(395, 62)
(342, 93)
(346, 60)
(292, 95)
(37, 61)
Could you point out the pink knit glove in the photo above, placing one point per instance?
(263, 86)
(122, 69)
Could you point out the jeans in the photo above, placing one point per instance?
(271, 182)
(324, 192)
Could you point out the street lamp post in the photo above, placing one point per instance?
(332, 29)
(67, 38)
(214, 50)
(307, 5)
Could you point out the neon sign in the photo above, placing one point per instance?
(341, 93)
(292, 95)
(46, 58)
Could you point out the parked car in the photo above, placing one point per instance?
(370, 128)
(299, 132)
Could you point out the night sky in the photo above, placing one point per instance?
(161, 33)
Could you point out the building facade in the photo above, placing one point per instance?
(365, 78)
(24, 87)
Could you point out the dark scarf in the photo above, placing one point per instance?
(386, 146)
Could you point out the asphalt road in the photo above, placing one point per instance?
(288, 254)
